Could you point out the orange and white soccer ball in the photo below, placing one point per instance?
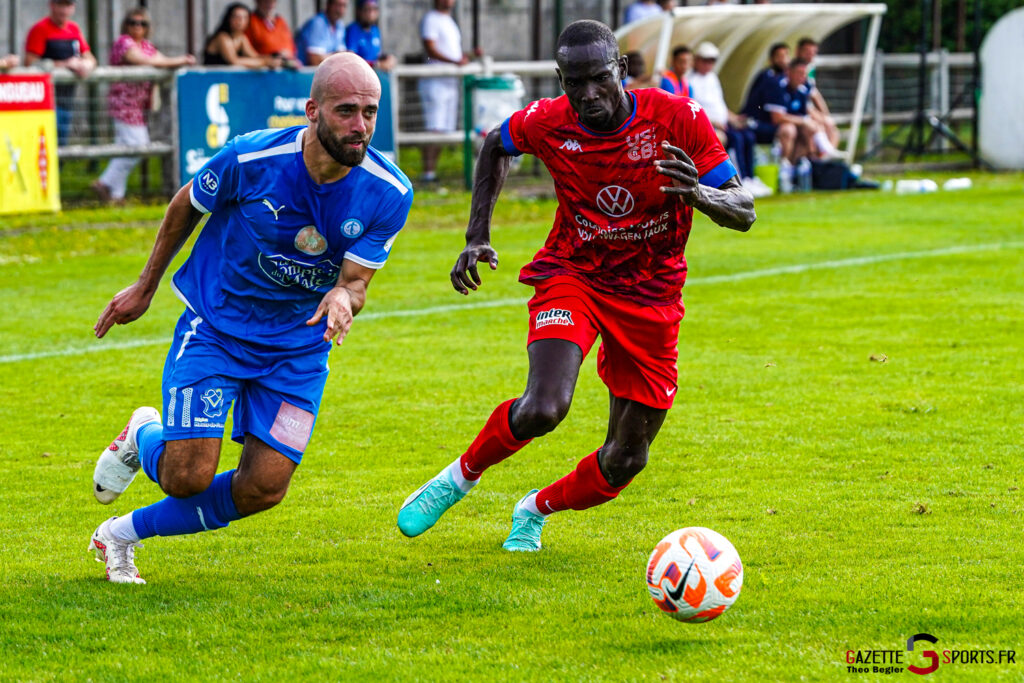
(694, 574)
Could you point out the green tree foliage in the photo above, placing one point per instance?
(901, 27)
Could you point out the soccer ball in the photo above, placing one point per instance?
(694, 574)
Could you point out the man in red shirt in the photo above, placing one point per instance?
(57, 38)
(629, 169)
(269, 33)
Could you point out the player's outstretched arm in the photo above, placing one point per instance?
(728, 205)
(130, 303)
(491, 170)
(343, 301)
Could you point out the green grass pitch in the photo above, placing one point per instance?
(849, 416)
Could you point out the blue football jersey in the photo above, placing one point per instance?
(786, 100)
(275, 239)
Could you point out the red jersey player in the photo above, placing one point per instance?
(629, 169)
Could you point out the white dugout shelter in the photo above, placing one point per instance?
(744, 33)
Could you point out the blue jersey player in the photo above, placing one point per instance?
(300, 219)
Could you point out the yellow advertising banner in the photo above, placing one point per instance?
(29, 178)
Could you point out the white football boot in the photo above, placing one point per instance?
(119, 556)
(119, 463)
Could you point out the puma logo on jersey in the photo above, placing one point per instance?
(694, 107)
(266, 203)
(572, 146)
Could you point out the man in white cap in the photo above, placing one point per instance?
(731, 128)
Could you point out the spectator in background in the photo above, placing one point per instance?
(641, 9)
(228, 45)
(765, 86)
(674, 80)
(807, 50)
(442, 41)
(59, 39)
(8, 62)
(269, 34)
(797, 133)
(363, 36)
(323, 35)
(129, 101)
(732, 129)
(636, 68)
(667, 5)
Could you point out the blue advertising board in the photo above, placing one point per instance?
(216, 105)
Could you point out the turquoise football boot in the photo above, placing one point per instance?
(424, 507)
(526, 528)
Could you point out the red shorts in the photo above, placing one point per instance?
(639, 344)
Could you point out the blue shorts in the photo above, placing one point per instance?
(276, 392)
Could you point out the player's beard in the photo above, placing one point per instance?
(337, 147)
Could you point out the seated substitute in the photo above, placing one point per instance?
(797, 133)
(765, 86)
(300, 220)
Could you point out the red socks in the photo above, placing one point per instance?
(582, 488)
(493, 444)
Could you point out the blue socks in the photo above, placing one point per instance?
(212, 509)
(151, 446)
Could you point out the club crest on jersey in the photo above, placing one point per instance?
(554, 316)
(310, 241)
(213, 403)
(572, 146)
(353, 227)
(694, 107)
(642, 145)
(209, 182)
(615, 200)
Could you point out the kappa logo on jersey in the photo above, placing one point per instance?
(213, 403)
(353, 227)
(554, 316)
(287, 272)
(270, 205)
(694, 107)
(209, 182)
(642, 145)
(532, 108)
(572, 146)
(615, 200)
(310, 241)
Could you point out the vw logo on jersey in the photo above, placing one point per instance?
(209, 182)
(615, 200)
(310, 241)
(352, 228)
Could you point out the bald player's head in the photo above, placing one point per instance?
(342, 73)
(342, 106)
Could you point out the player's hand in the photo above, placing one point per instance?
(337, 306)
(465, 274)
(127, 305)
(683, 173)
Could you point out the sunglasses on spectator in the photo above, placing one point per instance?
(138, 22)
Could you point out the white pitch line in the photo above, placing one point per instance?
(500, 303)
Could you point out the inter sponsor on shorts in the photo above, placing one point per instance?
(554, 316)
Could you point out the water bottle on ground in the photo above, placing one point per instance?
(785, 176)
(803, 175)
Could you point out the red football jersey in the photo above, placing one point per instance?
(614, 227)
